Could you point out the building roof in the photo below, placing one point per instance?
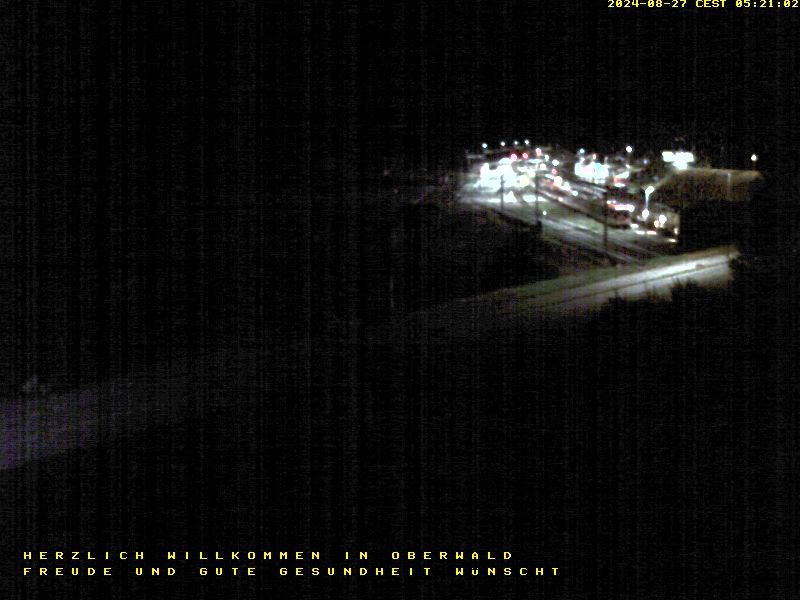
(690, 186)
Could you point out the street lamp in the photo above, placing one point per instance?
(646, 212)
(503, 144)
(484, 145)
(753, 158)
(527, 142)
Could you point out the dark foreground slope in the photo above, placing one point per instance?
(647, 453)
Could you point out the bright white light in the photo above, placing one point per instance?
(485, 168)
(503, 144)
(581, 151)
(506, 171)
(527, 142)
(647, 191)
(662, 219)
(645, 214)
(600, 171)
(677, 157)
(555, 162)
(628, 149)
(754, 158)
(593, 171)
(680, 165)
(516, 143)
(484, 145)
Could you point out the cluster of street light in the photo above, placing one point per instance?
(520, 165)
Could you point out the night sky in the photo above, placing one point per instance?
(448, 75)
(422, 80)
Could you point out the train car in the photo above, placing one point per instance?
(594, 202)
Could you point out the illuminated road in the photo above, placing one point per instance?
(577, 296)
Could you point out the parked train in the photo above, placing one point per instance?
(594, 201)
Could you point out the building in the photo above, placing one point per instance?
(702, 206)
